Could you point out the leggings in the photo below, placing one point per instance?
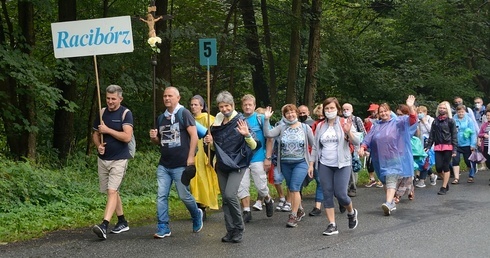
(443, 159)
(334, 182)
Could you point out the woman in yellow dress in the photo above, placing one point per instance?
(204, 186)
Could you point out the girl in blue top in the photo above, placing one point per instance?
(466, 143)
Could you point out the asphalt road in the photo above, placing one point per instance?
(454, 225)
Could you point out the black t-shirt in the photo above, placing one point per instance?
(115, 149)
(174, 139)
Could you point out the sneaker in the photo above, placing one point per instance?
(379, 184)
(388, 208)
(442, 191)
(471, 180)
(331, 230)
(292, 221)
(197, 223)
(351, 193)
(420, 184)
(433, 179)
(100, 231)
(228, 237)
(315, 212)
(162, 232)
(300, 214)
(352, 220)
(342, 209)
(204, 216)
(370, 184)
(286, 207)
(247, 216)
(120, 227)
(257, 206)
(280, 204)
(269, 207)
(237, 236)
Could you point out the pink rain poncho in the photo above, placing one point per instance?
(390, 147)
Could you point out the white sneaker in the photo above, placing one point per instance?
(257, 206)
(286, 207)
(280, 204)
(420, 184)
(433, 179)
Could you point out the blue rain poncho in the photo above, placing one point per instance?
(390, 147)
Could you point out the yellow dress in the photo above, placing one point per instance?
(204, 186)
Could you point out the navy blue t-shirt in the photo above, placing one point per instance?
(175, 140)
(115, 149)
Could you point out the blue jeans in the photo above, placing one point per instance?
(165, 177)
(319, 190)
(294, 173)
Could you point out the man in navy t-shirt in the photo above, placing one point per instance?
(111, 137)
(176, 134)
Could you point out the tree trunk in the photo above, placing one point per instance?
(164, 63)
(270, 56)
(28, 109)
(313, 54)
(294, 52)
(64, 120)
(254, 55)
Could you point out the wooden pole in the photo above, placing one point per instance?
(209, 109)
(98, 96)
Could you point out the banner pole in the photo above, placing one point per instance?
(98, 95)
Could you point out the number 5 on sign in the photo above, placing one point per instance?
(207, 52)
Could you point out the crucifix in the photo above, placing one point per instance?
(151, 20)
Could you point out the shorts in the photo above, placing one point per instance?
(111, 173)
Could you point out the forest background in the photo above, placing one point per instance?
(281, 51)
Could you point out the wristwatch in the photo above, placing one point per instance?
(268, 158)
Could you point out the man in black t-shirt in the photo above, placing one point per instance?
(117, 131)
(176, 134)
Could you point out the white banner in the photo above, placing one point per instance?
(92, 37)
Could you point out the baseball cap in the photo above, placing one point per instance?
(373, 107)
(188, 174)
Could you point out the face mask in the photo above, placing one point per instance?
(228, 114)
(286, 121)
(331, 115)
(421, 115)
(457, 104)
(347, 113)
(442, 112)
(302, 118)
(477, 105)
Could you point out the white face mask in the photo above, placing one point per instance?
(331, 115)
(478, 106)
(347, 113)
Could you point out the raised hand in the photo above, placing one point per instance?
(347, 125)
(268, 112)
(410, 100)
(243, 128)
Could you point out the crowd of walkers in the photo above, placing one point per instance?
(206, 156)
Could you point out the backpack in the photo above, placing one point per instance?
(132, 142)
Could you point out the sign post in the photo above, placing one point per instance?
(91, 38)
(208, 57)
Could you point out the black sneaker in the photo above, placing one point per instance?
(442, 191)
(247, 216)
(352, 220)
(120, 227)
(228, 237)
(315, 212)
(100, 231)
(342, 209)
(269, 207)
(237, 236)
(331, 230)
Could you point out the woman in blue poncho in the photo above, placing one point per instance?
(391, 152)
(466, 143)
